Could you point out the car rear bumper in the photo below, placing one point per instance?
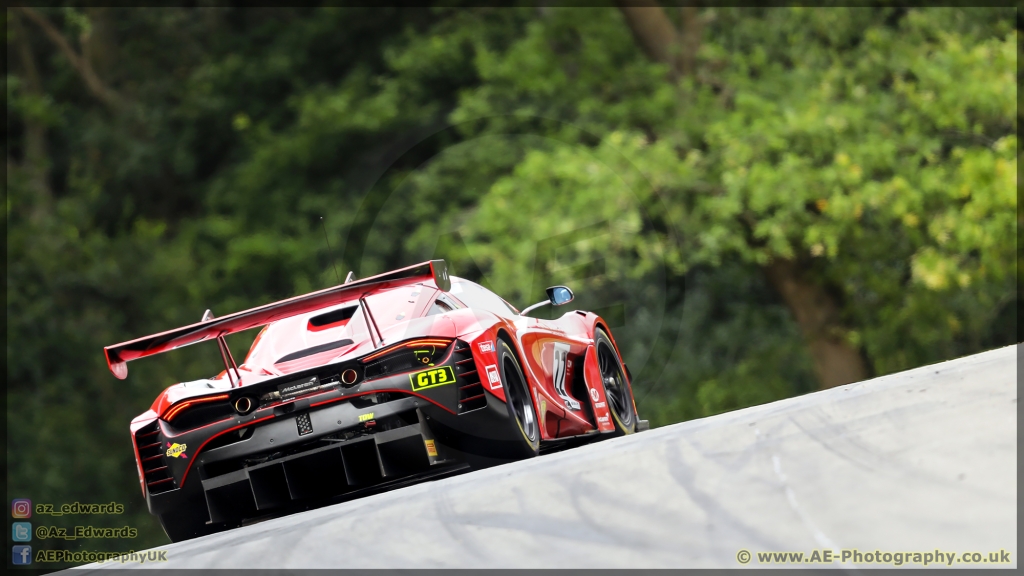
(311, 468)
(333, 470)
(339, 443)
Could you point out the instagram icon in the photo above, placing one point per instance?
(21, 508)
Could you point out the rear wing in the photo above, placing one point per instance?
(119, 354)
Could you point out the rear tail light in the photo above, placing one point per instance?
(178, 408)
(406, 356)
(196, 412)
(422, 343)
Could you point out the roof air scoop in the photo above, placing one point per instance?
(332, 319)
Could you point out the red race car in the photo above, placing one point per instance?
(366, 386)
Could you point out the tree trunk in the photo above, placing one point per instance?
(658, 37)
(81, 65)
(99, 47)
(816, 312)
(836, 361)
(690, 42)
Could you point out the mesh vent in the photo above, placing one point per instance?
(151, 456)
(471, 391)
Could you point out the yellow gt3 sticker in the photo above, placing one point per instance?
(431, 448)
(365, 417)
(430, 378)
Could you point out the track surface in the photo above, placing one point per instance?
(915, 461)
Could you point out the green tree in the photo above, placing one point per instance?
(864, 159)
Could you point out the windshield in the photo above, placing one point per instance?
(476, 296)
(336, 327)
(389, 307)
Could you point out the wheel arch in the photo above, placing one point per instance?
(503, 334)
(600, 323)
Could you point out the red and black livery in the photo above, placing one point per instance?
(365, 386)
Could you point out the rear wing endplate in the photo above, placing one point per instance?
(119, 355)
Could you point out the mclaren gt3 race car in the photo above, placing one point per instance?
(366, 386)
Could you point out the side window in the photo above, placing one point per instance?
(476, 296)
(438, 307)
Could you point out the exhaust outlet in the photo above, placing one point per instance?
(348, 377)
(244, 405)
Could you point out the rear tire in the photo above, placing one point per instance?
(616, 389)
(521, 412)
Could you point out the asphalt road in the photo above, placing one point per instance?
(911, 462)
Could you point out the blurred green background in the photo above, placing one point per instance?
(763, 202)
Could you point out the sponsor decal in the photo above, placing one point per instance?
(299, 386)
(431, 448)
(594, 394)
(176, 450)
(493, 377)
(486, 346)
(365, 417)
(603, 419)
(599, 405)
(430, 378)
(558, 369)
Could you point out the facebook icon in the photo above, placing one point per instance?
(22, 555)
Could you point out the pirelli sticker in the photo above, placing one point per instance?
(431, 448)
(430, 378)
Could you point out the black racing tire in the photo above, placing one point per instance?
(616, 388)
(189, 522)
(522, 414)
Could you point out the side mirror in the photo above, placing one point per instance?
(557, 295)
